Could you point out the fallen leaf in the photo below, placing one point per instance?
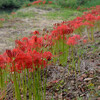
(98, 87)
(88, 79)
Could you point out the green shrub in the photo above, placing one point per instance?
(81, 2)
(65, 3)
(75, 3)
(12, 3)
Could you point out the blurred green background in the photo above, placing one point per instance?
(10, 5)
(62, 3)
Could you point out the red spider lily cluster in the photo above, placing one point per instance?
(82, 9)
(36, 51)
(17, 60)
(13, 13)
(89, 20)
(28, 51)
(73, 40)
(40, 2)
(2, 19)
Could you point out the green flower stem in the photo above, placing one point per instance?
(73, 60)
(29, 84)
(17, 91)
(63, 46)
(92, 34)
(89, 36)
(1, 79)
(24, 85)
(44, 83)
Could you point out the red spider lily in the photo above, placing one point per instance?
(84, 41)
(6, 82)
(22, 61)
(98, 18)
(29, 4)
(61, 30)
(47, 55)
(36, 42)
(21, 45)
(76, 23)
(35, 33)
(90, 17)
(48, 40)
(77, 37)
(73, 40)
(45, 37)
(79, 19)
(44, 2)
(2, 19)
(39, 2)
(13, 13)
(78, 8)
(28, 60)
(25, 55)
(36, 2)
(24, 39)
(2, 62)
(32, 42)
(88, 24)
(50, 2)
(11, 54)
(38, 59)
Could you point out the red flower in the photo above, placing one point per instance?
(13, 13)
(47, 55)
(35, 33)
(62, 29)
(22, 61)
(38, 60)
(36, 2)
(50, 2)
(73, 40)
(21, 45)
(2, 62)
(78, 8)
(2, 19)
(9, 53)
(44, 2)
(98, 18)
(84, 41)
(90, 17)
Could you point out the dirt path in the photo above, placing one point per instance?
(19, 27)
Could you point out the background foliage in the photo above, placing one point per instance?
(62, 3)
(13, 3)
(76, 3)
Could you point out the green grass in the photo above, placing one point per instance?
(25, 14)
(65, 3)
(46, 6)
(4, 13)
(63, 13)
